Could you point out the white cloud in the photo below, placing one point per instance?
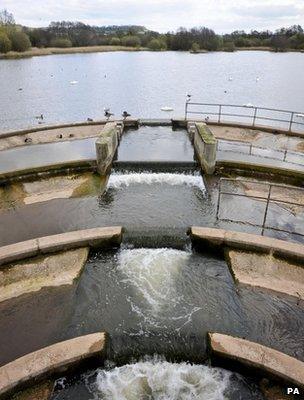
(162, 15)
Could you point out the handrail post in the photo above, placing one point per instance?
(186, 110)
(220, 113)
(254, 116)
(291, 121)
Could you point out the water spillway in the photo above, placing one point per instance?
(154, 377)
(155, 296)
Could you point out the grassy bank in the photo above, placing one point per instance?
(47, 51)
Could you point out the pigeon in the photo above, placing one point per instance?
(125, 114)
(107, 113)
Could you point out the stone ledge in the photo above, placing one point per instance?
(213, 237)
(18, 251)
(256, 356)
(95, 237)
(50, 360)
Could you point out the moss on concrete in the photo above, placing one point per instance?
(205, 133)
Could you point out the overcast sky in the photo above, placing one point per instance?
(162, 15)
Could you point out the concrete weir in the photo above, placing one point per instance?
(256, 357)
(95, 237)
(51, 360)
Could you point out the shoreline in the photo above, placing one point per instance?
(48, 51)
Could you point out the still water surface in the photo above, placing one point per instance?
(142, 83)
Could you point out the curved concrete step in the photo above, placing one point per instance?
(51, 360)
(95, 237)
(256, 356)
(219, 238)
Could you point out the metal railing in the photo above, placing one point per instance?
(266, 196)
(236, 146)
(248, 114)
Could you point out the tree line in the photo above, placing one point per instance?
(66, 34)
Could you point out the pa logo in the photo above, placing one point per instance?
(293, 390)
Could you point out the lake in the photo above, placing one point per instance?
(142, 83)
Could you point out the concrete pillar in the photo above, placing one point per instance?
(106, 146)
(205, 147)
(191, 128)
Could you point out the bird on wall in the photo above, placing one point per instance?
(125, 115)
(107, 113)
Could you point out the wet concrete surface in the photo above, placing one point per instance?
(39, 155)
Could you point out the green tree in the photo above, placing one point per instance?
(195, 48)
(115, 41)
(229, 46)
(61, 42)
(20, 41)
(5, 43)
(155, 44)
(131, 41)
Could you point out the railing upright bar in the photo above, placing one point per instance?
(291, 121)
(254, 115)
(220, 112)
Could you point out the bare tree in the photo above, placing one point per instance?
(6, 18)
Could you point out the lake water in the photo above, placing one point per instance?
(142, 83)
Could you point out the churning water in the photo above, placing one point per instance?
(161, 380)
(153, 273)
(154, 378)
(118, 181)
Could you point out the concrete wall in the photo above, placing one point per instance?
(96, 237)
(51, 360)
(218, 239)
(204, 145)
(106, 146)
(256, 357)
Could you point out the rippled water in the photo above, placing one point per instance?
(142, 83)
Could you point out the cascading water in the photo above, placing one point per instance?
(160, 380)
(117, 181)
(153, 273)
(154, 378)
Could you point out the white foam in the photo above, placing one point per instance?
(118, 181)
(160, 380)
(152, 275)
(152, 272)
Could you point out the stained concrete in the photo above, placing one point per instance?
(48, 271)
(57, 134)
(268, 272)
(38, 392)
(17, 194)
(259, 138)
